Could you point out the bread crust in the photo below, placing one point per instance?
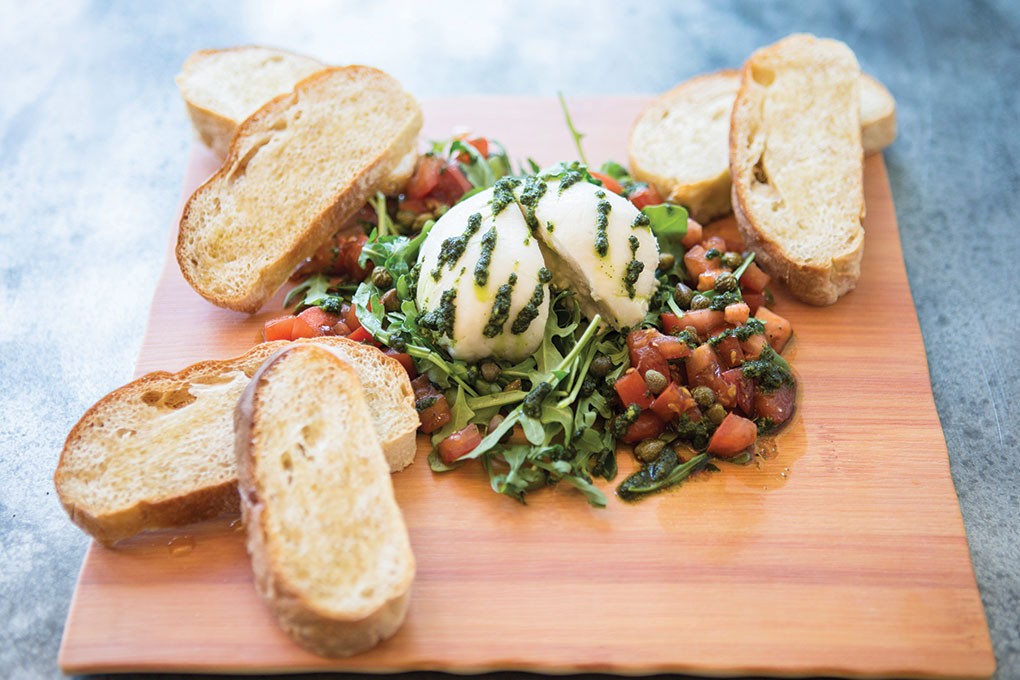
(200, 504)
(320, 631)
(253, 293)
(813, 283)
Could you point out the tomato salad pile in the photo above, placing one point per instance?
(698, 381)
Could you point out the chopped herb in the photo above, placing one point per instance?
(769, 370)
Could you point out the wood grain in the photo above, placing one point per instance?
(843, 555)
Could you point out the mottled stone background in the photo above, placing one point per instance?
(94, 141)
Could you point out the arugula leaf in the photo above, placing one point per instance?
(664, 472)
(577, 136)
(669, 224)
(616, 171)
(314, 290)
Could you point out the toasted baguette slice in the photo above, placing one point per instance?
(297, 170)
(223, 87)
(329, 548)
(797, 165)
(680, 142)
(159, 452)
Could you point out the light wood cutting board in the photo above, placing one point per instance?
(844, 555)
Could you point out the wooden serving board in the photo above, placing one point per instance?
(843, 555)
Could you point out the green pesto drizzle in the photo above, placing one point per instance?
(549, 227)
(440, 320)
(634, 267)
(503, 193)
(529, 312)
(603, 209)
(641, 220)
(569, 179)
(533, 190)
(482, 266)
(453, 247)
(500, 308)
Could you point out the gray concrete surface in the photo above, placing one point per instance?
(93, 144)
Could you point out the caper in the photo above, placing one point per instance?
(726, 282)
(682, 294)
(420, 221)
(703, 396)
(405, 218)
(391, 303)
(656, 381)
(491, 371)
(699, 301)
(601, 366)
(732, 259)
(381, 278)
(649, 450)
(716, 414)
(666, 261)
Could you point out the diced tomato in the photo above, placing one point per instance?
(423, 387)
(777, 405)
(632, 389)
(279, 329)
(754, 301)
(671, 323)
(302, 329)
(405, 360)
(728, 231)
(435, 416)
(777, 329)
(319, 319)
(696, 263)
(714, 243)
(669, 347)
(459, 444)
(415, 205)
(673, 401)
(481, 145)
(348, 251)
(734, 434)
(647, 426)
(753, 346)
(693, 235)
(754, 279)
(730, 353)
(425, 177)
(608, 182)
(703, 369)
(359, 334)
(645, 196)
(704, 321)
(737, 313)
(706, 279)
(340, 328)
(452, 185)
(644, 355)
(744, 389)
(650, 359)
(350, 314)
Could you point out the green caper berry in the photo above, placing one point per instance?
(649, 450)
(420, 221)
(405, 218)
(682, 294)
(381, 278)
(726, 283)
(732, 259)
(699, 301)
(716, 413)
(666, 261)
(601, 366)
(656, 381)
(491, 371)
(703, 395)
(391, 302)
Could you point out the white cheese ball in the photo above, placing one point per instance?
(599, 245)
(488, 272)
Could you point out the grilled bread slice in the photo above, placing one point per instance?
(680, 142)
(159, 452)
(297, 170)
(797, 165)
(223, 87)
(329, 548)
